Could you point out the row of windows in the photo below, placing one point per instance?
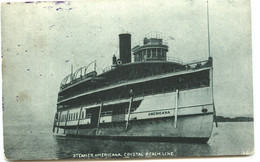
(155, 53)
(109, 113)
(106, 113)
(75, 116)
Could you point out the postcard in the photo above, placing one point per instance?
(111, 79)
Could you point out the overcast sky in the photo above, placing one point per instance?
(42, 40)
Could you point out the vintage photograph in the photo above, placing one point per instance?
(113, 79)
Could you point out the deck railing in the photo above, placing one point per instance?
(174, 59)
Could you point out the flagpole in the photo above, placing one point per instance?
(214, 109)
(208, 29)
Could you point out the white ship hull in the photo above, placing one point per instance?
(154, 118)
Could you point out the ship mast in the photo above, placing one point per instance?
(214, 109)
(208, 29)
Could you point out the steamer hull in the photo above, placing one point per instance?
(154, 119)
(151, 98)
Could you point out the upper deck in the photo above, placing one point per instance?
(126, 74)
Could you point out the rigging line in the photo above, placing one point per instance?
(100, 69)
(106, 61)
(115, 51)
(110, 59)
(105, 64)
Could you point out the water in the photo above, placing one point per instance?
(31, 143)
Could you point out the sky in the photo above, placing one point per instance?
(40, 42)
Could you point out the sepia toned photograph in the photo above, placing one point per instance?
(113, 79)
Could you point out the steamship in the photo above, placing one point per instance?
(152, 97)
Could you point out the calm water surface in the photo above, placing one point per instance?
(30, 143)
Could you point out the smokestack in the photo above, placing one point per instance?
(125, 48)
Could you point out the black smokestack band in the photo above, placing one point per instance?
(125, 48)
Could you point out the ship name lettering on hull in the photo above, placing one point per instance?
(158, 113)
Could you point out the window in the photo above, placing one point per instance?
(137, 56)
(159, 52)
(140, 56)
(106, 113)
(82, 115)
(163, 54)
(148, 53)
(154, 53)
(145, 54)
(76, 115)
